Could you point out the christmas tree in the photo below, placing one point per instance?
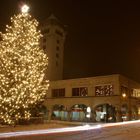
(22, 68)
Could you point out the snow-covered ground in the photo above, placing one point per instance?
(110, 131)
(4, 128)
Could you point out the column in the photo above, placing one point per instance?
(49, 114)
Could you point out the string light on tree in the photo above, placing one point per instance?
(22, 69)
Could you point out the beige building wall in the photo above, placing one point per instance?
(90, 82)
(91, 99)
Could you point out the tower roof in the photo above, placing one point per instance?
(52, 17)
(53, 20)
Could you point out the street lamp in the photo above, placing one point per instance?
(124, 95)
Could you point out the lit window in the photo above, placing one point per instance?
(82, 91)
(105, 90)
(124, 91)
(135, 93)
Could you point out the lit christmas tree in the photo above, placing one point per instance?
(22, 68)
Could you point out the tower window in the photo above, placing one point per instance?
(57, 48)
(45, 31)
(57, 55)
(58, 41)
(44, 47)
(44, 40)
(58, 32)
(56, 63)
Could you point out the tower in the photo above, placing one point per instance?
(53, 44)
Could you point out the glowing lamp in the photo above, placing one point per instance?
(123, 95)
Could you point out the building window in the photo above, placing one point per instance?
(45, 31)
(44, 47)
(105, 90)
(135, 93)
(124, 90)
(82, 91)
(44, 40)
(59, 33)
(57, 55)
(58, 92)
(57, 48)
(56, 63)
(58, 42)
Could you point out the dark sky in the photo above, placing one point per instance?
(103, 35)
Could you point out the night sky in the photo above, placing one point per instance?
(103, 36)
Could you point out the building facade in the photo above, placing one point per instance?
(103, 98)
(109, 98)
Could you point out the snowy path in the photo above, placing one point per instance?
(111, 131)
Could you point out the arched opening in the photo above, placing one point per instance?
(105, 113)
(59, 112)
(79, 112)
(39, 113)
(134, 113)
(124, 112)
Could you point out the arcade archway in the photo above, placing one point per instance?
(125, 112)
(134, 115)
(78, 112)
(105, 113)
(59, 112)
